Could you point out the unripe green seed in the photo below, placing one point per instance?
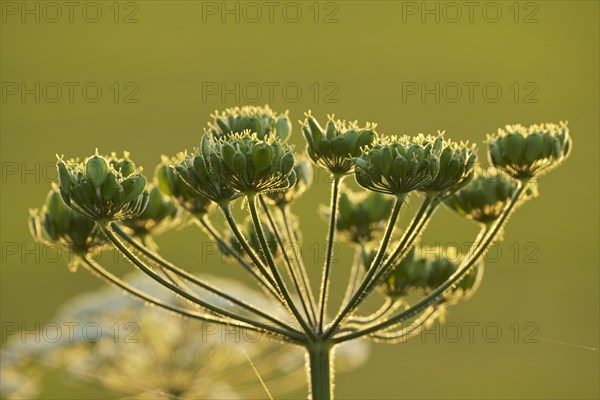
(315, 130)
(227, 152)
(283, 127)
(324, 148)
(133, 186)
(64, 177)
(164, 179)
(287, 163)
(252, 124)
(512, 145)
(239, 163)
(96, 170)
(55, 204)
(533, 147)
(262, 156)
(365, 139)
(109, 187)
(126, 167)
(84, 191)
(339, 146)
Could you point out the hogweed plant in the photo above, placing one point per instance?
(105, 201)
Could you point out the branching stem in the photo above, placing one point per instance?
(106, 229)
(274, 270)
(479, 248)
(360, 292)
(195, 280)
(289, 265)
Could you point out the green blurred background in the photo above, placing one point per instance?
(156, 63)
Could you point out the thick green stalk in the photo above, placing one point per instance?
(321, 371)
(360, 292)
(335, 188)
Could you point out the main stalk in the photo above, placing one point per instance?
(320, 363)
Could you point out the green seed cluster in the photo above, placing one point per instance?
(456, 167)
(171, 184)
(334, 146)
(58, 224)
(424, 269)
(486, 196)
(103, 188)
(262, 121)
(527, 152)
(361, 215)
(304, 179)
(398, 165)
(240, 163)
(159, 215)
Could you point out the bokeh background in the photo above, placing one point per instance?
(163, 66)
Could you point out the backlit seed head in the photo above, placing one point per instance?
(398, 165)
(171, 184)
(304, 178)
(424, 269)
(225, 168)
(485, 197)
(57, 224)
(527, 152)
(203, 173)
(160, 215)
(457, 163)
(361, 215)
(103, 188)
(334, 146)
(262, 121)
(249, 165)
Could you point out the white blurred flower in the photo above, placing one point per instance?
(135, 350)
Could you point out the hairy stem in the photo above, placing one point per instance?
(148, 271)
(291, 238)
(354, 272)
(335, 188)
(360, 292)
(411, 330)
(195, 280)
(321, 371)
(479, 248)
(416, 227)
(111, 279)
(249, 251)
(271, 263)
(289, 266)
(210, 230)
